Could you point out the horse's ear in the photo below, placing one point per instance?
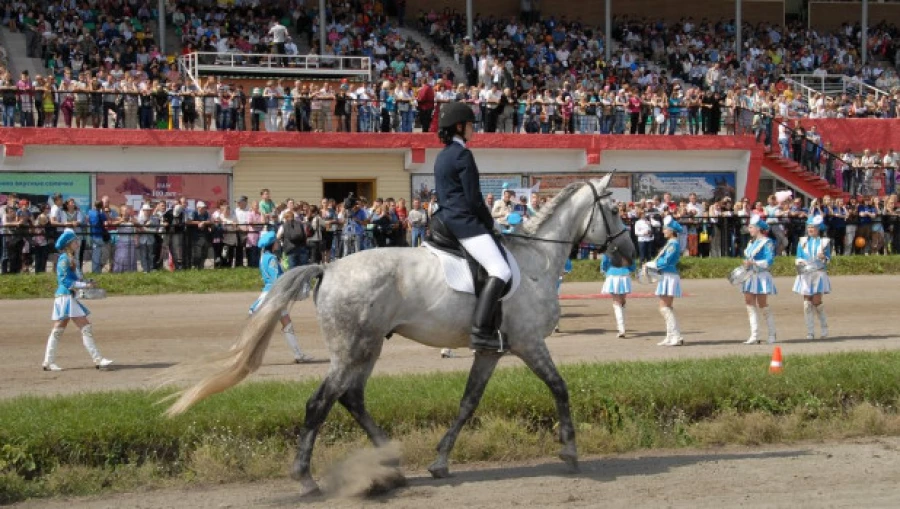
(604, 182)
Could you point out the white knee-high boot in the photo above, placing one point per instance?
(823, 320)
(87, 337)
(291, 339)
(50, 354)
(753, 316)
(810, 319)
(664, 312)
(770, 323)
(676, 340)
(620, 318)
(673, 335)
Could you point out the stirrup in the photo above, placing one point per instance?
(495, 343)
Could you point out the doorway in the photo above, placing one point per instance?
(341, 188)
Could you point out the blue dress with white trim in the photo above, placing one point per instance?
(270, 270)
(65, 305)
(812, 283)
(667, 263)
(618, 279)
(760, 281)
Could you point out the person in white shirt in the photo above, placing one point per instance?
(242, 215)
(279, 35)
(644, 233)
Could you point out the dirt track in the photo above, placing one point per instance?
(145, 335)
(859, 474)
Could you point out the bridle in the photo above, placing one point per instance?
(610, 238)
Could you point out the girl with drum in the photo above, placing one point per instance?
(617, 284)
(271, 270)
(758, 257)
(813, 254)
(66, 306)
(669, 285)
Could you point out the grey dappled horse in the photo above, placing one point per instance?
(357, 307)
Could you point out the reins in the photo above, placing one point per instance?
(609, 238)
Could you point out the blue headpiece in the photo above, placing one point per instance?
(757, 221)
(68, 236)
(818, 221)
(266, 239)
(671, 224)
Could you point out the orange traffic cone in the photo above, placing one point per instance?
(776, 364)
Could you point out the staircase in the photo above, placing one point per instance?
(14, 42)
(446, 60)
(804, 181)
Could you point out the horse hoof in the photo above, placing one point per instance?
(309, 488)
(571, 461)
(439, 471)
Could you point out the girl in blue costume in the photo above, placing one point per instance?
(814, 249)
(617, 284)
(566, 269)
(669, 286)
(66, 306)
(271, 270)
(758, 257)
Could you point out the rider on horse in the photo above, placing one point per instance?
(466, 215)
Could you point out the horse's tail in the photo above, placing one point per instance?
(247, 354)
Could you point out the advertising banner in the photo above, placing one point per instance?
(131, 188)
(490, 183)
(709, 186)
(548, 185)
(39, 188)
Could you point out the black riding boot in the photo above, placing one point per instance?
(485, 333)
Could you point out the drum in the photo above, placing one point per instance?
(648, 275)
(739, 275)
(91, 294)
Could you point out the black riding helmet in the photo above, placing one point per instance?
(455, 113)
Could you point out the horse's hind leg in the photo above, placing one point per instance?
(317, 408)
(355, 403)
(538, 359)
(482, 369)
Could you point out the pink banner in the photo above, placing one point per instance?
(131, 188)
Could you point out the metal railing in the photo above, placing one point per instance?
(274, 64)
(833, 84)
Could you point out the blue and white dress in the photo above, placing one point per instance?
(68, 279)
(270, 270)
(667, 264)
(618, 279)
(762, 253)
(816, 282)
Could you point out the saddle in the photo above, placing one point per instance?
(440, 237)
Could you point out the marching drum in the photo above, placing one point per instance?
(91, 294)
(649, 274)
(739, 275)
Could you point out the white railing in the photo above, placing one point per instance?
(834, 84)
(269, 64)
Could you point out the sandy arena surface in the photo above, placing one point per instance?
(145, 335)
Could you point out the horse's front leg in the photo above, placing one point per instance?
(537, 358)
(482, 369)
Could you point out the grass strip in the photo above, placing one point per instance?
(119, 440)
(32, 286)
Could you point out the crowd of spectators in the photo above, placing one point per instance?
(189, 234)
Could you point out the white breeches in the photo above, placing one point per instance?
(485, 251)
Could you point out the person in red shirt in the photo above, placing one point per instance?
(425, 101)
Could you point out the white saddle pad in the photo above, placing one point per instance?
(459, 277)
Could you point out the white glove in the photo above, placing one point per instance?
(651, 265)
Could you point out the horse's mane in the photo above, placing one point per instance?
(547, 210)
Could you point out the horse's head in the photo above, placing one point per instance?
(605, 228)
